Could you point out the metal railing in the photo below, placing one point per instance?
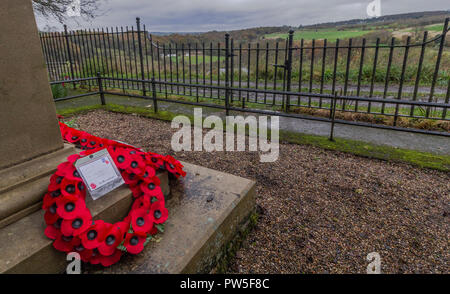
(245, 78)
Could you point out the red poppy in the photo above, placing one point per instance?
(94, 235)
(159, 212)
(65, 243)
(72, 189)
(124, 226)
(69, 208)
(84, 139)
(64, 169)
(95, 257)
(151, 187)
(170, 164)
(50, 198)
(141, 221)
(55, 182)
(134, 243)
(136, 165)
(130, 179)
(52, 232)
(111, 259)
(142, 203)
(50, 215)
(73, 158)
(113, 238)
(85, 254)
(155, 160)
(149, 173)
(94, 142)
(160, 198)
(174, 166)
(90, 151)
(151, 190)
(78, 224)
(121, 158)
(137, 191)
(72, 135)
(110, 143)
(72, 174)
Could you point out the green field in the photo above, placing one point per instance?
(331, 35)
(435, 28)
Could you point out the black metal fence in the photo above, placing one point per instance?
(399, 80)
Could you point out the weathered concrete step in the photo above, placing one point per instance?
(25, 249)
(23, 200)
(41, 166)
(22, 186)
(206, 210)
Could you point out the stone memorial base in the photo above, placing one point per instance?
(22, 186)
(206, 210)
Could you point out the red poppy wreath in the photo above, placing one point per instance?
(69, 221)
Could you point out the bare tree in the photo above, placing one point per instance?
(58, 8)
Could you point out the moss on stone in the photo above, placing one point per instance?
(230, 249)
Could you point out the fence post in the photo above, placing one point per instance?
(141, 57)
(69, 55)
(333, 116)
(289, 69)
(227, 72)
(100, 88)
(155, 102)
(438, 61)
(402, 78)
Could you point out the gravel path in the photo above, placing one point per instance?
(322, 211)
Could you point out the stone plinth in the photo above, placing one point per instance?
(28, 121)
(22, 186)
(25, 249)
(206, 210)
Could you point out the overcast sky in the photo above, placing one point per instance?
(207, 15)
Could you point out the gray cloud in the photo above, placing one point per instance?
(206, 15)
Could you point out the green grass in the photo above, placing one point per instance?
(435, 28)
(416, 158)
(331, 35)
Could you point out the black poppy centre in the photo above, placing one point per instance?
(91, 235)
(77, 223)
(134, 240)
(110, 240)
(69, 207)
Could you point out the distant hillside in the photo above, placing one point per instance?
(412, 19)
(384, 23)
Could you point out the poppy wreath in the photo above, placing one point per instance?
(69, 221)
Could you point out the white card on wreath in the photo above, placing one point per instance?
(99, 173)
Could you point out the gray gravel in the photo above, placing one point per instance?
(322, 211)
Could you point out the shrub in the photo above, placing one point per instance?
(59, 91)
